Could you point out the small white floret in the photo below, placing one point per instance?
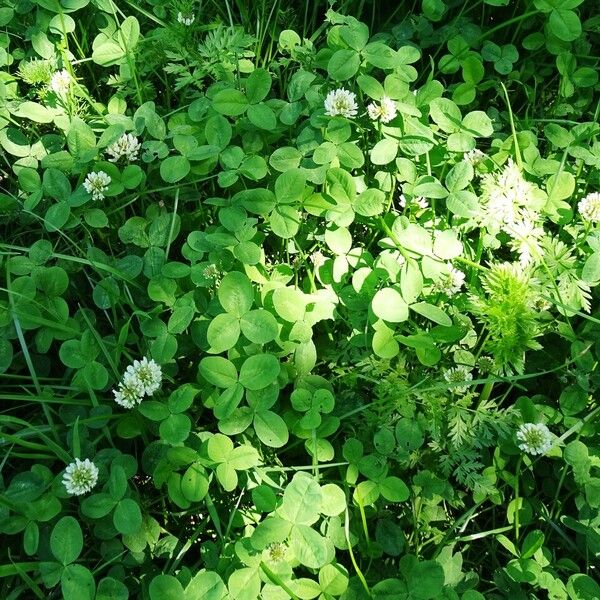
(534, 438)
(341, 102)
(80, 477)
(96, 184)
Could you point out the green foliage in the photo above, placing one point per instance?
(280, 289)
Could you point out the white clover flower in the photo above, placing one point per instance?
(385, 111)
(526, 239)
(450, 282)
(474, 157)
(126, 146)
(420, 201)
(341, 102)
(534, 438)
(80, 477)
(129, 393)
(459, 375)
(60, 82)
(589, 207)
(318, 259)
(486, 364)
(96, 184)
(145, 373)
(505, 195)
(186, 20)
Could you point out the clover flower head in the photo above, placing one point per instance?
(60, 82)
(341, 102)
(186, 20)
(211, 271)
(318, 259)
(80, 477)
(418, 201)
(276, 552)
(504, 195)
(534, 438)
(144, 373)
(459, 375)
(526, 239)
(450, 282)
(129, 393)
(126, 146)
(486, 364)
(96, 184)
(474, 157)
(589, 207)
(385, 111)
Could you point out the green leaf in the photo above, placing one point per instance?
(106, 51)
(343, 64)
(459, 176)
(285, 221)
(271, 429)
(258, 85)
(57, 215)
(445, 114)
(230, 102)
(285, 158)
(533, 541)
(463, 204)
(259, 371)
(477, 123)
(205, 585)
(564, 24)
(259, 326)
(175, 428)
(426, 580)
(127, 517)
(289, 186)
(223, 332)
(111, 589)
(236, 294)
(289, 304)
(218, 131)
(433, 313)
(262, 116)
(394, 489)
(309, 547)
(174, 168)
(97, 505)
(219, 371)
(81, 139)
(369, 203)
(384, 151)
(301, 500)
(34, 112)
(77, 583)
(388, 304)
(66, 540)
(165, 587)
(194, 483)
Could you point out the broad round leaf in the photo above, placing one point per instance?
(223, 332)
(389, 305)
(259, 326)
(219, 371)
(271, 429)
(127, 517)
(259, 371)
(66, 540)
(236, 294)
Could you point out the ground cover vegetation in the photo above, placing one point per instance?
(298, 300)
